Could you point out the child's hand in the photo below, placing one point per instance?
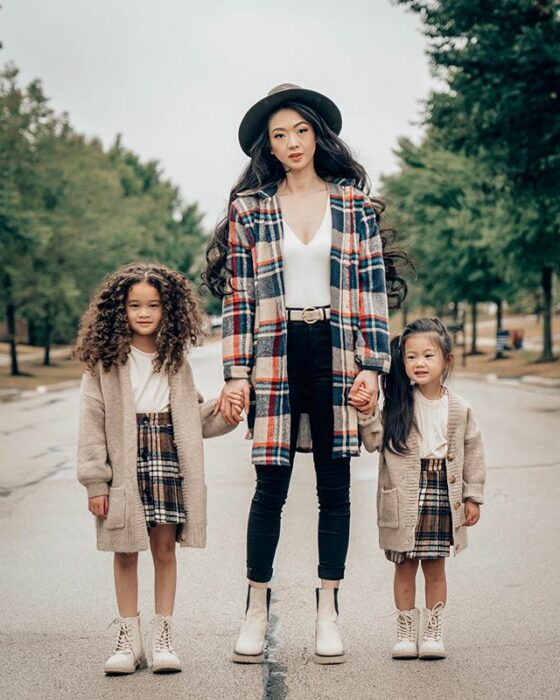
(99, 506)
(361, 400)
(472, 513)
(237, 401)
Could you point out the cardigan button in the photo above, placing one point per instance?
(145, 420)
(451, 456)
(457, 505)
(452, 479)
(457, 528)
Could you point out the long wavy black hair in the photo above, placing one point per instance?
(398, 409)
(333, 160)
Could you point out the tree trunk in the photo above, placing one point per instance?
(455, 312)
(11, 323)
(404, 316)
(547, 354)
(47, 345)
(474, 348)
(499, 324)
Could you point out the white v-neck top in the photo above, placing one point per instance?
(150, 389)
(307, 268)
(431, 419)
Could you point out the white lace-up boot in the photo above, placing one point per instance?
(249, 647)
(328, 642)
(128, 653)
(431, 643)
(164, 658)
(407, 635)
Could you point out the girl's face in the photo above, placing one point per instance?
(143, 309)
(292, 139)
(424, 362)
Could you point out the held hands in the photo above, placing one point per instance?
(234, 398)
(364, 392)
(472, 513)
(99, 506)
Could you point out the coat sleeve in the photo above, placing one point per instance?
(93, 468)
(371, 430)
(474, 467)
(238, 307)
(212, 426)
(372, 344)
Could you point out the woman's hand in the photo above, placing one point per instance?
(367, 379)
(234, 398)
(361, 400)
(99, 506)
(472, 513)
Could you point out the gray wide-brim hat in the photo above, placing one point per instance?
(254, 121)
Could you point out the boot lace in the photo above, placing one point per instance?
(162, 638)
(433, 623)
(405, 622)
(123, 643)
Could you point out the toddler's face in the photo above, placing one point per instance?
(423, 359)
(143, 309)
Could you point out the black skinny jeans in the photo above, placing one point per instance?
(310, 381)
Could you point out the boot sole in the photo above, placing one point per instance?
(431, 657)
(404, 656)
(166, 669)
(246, 659)
(326, 660)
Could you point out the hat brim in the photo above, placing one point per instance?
(255, 119)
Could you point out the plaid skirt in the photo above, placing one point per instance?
(158, 472)
(433, 537)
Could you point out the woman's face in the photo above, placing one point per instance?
(292, 139)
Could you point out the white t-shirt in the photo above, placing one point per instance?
(431, 419)
(307, 268)
(150, 389)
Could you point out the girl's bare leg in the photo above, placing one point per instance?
(162, 545)
(436, 583)
(125, 567)
(404, 584)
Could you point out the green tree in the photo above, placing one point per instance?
(501, 62)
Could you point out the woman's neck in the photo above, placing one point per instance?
(301, 182)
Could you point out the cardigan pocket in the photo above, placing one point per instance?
(388, 512)
(117, 508)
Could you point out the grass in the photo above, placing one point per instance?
(63, 369)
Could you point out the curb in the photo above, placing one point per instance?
(7, 395)
(527, 380)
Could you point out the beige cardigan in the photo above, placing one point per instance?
(399, 476)
(107, 447)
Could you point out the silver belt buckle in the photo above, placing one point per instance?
(311, 315)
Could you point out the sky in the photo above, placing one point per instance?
(175, 77)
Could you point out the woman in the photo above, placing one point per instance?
(299, 266)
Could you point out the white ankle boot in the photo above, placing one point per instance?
(249, 648)
(407, 635)
(164, 658)
(128, 652)
(328, 643)
(431, 643)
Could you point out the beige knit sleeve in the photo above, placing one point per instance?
(474, 466)
(93, 468)
(371, 430)
(212, 426)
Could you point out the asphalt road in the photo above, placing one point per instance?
(502, 622)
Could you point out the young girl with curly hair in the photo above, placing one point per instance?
(140, 452)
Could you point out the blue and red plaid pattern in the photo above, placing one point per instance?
(254, 315)
(433, 537)
(158, 471)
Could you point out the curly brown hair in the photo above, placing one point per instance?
(105, 334)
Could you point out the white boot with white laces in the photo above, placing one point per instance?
(164, 658)
(407, 635)
(431, 643)
(329, 648)
(249, 647)
(128, 652)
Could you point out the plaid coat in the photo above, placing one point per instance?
(254, 316)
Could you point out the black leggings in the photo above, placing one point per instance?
(310, 380)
